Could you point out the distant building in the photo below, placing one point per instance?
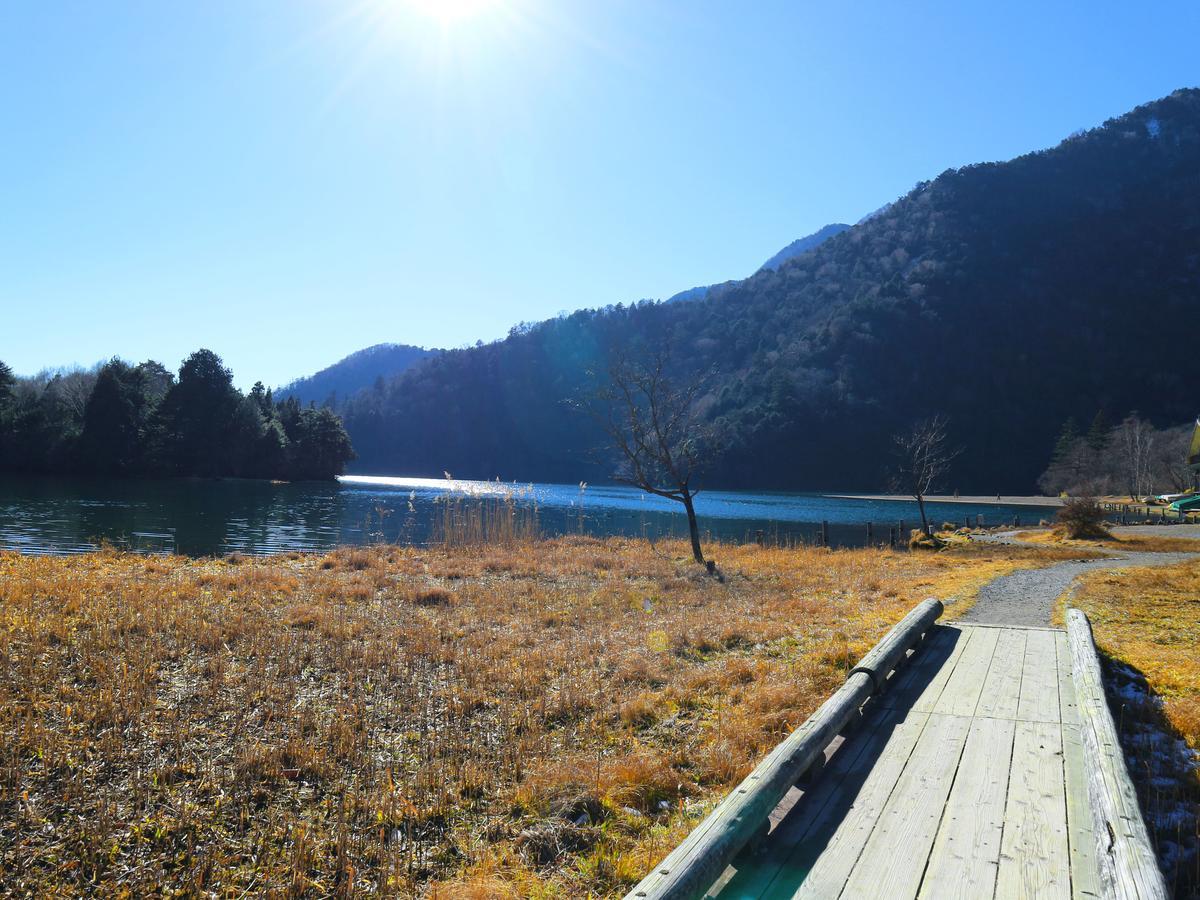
(1193, 458)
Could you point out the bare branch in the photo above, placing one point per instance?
(662, 441)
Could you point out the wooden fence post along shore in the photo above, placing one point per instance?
(692, 867)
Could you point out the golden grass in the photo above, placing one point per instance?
(539, 719)
(1147, 622)
(1149, 619)
(1135, 543)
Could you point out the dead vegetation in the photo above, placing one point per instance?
(1147, 624)
(1134, 543)
(527, 719)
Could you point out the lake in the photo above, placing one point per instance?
(211, 517)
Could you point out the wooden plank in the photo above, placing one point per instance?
(817, 814)
(961, 694)
(966, 853)
(1002, 690)
(1039, 679)
(1081, 831)
(1068, 706)
(697, 863)
(827, 801)
(939, 648)
(894, 857)
(928, 697)
(959, 623)
(919, 688)
(820, 864)
(1125, 860)
(1034, 856)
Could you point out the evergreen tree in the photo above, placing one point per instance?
(320, 448)
(7, 383)
(261, 398)
(156, 381)
(1100, 432)
(246, 429)
(114, 421)
(197, 417)
(7, 401)
(1066, 440)
(271, 452)
(126, 420)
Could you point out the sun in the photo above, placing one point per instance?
(449, 11)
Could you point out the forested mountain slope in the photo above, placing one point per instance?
(359, 370)
(794, 249)
(804, 244)
(1009, 296)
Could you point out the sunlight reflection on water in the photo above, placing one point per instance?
(198, 517)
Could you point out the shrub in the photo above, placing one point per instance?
(1081, 518)
(919, 540)
(435, 596)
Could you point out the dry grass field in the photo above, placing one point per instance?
(1150, 543)
(1147, 622)
(539, 719)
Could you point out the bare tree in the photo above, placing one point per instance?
(924, 459)
(662, 441)
(1135, 457)
(1169, 469)
(1134, 440)
(71, 389)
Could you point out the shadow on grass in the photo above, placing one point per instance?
(1165, 771)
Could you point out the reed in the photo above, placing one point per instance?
(503, 517)
(492, 714)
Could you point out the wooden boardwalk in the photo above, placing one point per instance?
(966, 779)
(957, 761)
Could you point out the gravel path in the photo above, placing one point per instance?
(1027, 597)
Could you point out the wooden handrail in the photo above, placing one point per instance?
(1128, 867)
(692, 867)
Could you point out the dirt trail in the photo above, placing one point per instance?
(1027, 597)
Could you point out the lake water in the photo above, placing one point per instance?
(204, 517)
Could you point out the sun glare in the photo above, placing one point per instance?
(448, 11)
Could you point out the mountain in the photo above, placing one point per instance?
(696, 293)
(795, 248)
(803, 245)
(1008, 296)
(356, 372)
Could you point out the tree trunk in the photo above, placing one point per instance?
(924, 518)
(697, 554)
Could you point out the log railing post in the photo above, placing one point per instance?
(1128, 867)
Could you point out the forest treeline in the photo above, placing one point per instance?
(123, 419)
(1132, 458)
(1006, 296)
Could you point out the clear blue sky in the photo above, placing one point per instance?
(286, 181)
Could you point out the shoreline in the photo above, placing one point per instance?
(950, 498)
